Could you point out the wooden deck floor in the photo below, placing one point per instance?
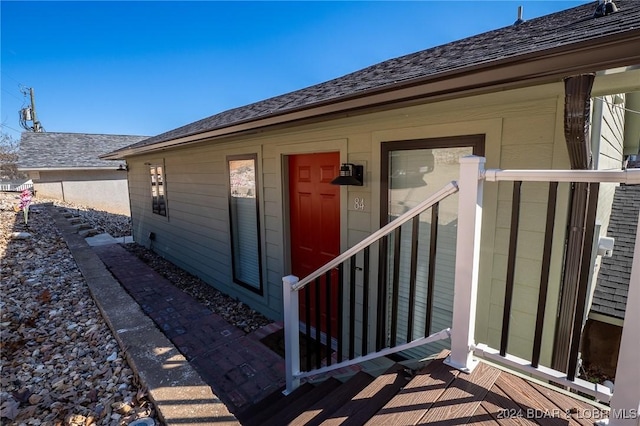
(441, 395)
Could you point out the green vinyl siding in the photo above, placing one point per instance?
(523, 128)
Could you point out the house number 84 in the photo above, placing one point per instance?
(358, 203)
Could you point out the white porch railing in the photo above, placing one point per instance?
(13, 187)
(292, 285)
(624, 401)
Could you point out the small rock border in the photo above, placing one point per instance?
(232, 310)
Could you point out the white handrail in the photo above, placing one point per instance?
(629, 176)
(450, 188)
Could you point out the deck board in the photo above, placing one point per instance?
(440, 395)
(294, 409)
(482, 417)
(322, 409)
(462, 397)
(413, 401)
(503, 408)
(368, 401)
(581, 412)
(532, 403)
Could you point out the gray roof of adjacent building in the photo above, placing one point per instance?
(52, 150)
(560, 32)
(612, 285)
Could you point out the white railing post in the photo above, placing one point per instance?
(291, 333)
(467, 263)
(625, 402)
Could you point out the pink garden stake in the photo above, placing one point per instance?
(25, 202)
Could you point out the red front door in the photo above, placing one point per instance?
(315, 224)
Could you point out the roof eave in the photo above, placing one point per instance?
(56, 169)
(538, 67)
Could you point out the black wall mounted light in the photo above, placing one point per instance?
(350, 174)
(123, 167)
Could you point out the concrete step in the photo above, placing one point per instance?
(88, 232)
(81, 226)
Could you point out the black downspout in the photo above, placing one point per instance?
(583, 200)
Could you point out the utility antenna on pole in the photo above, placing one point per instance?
(29, 113)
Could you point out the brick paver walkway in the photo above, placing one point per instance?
(239, 369)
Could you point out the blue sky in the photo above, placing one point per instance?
(142, 68)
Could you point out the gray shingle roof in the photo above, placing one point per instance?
(49, 150)
(612, 285)
(565, 28)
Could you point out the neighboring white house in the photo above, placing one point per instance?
(65, 166)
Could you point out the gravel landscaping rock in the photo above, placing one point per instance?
(59, 363)
(116, 225)
(232, 310)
